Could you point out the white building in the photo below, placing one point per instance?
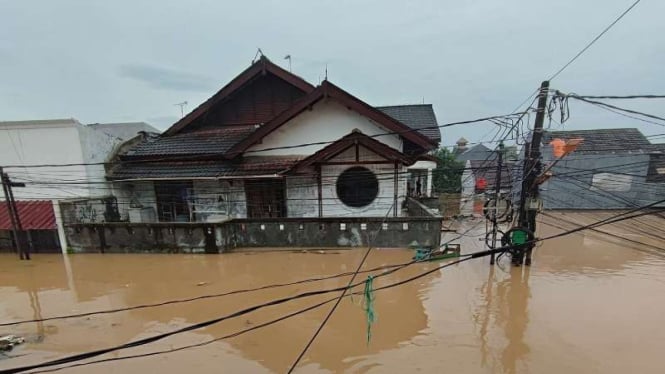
(77, 151)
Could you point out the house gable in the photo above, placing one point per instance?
(354, 148)
(325, 123)
(255, 96)
(326, 93)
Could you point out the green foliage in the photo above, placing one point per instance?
(447, 177)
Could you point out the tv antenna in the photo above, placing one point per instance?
(182, 108)
(259, 53)
(288, 57)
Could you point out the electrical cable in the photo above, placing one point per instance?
(617, 218)
(336, 304)
(593, 41)
(200, 158)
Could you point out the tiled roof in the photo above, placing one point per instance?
(604, 140)
(478, 152)
(207, 142)
(417, 116)
(34, 215)
(250, 166)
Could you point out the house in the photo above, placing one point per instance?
(271, 160)
(84, 148)
(422, 117)
(478, 152)
(480, 178)
(611, 169)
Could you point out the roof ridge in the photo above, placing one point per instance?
(398, 105)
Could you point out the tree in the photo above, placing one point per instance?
(447, 177)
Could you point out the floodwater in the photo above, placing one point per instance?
(590, 303)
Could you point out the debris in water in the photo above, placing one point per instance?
(202, 283)
(8, 342)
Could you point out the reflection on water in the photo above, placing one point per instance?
(588, 304)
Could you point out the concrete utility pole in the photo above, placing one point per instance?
(13, 213)
(531, 171)
(497, 191)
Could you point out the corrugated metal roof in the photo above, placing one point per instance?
(418, 116)
(34, 215)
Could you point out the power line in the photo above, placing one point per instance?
(614, 219)
(202, 157)
(339, 299)
(615, 97)
(203, 297)
(593, 41)
(615, 107)
(217, 295)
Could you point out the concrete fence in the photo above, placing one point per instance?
(391, 232)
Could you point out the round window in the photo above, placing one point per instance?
(357, 187)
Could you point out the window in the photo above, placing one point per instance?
(357, 187)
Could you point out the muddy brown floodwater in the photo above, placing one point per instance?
(591, 303)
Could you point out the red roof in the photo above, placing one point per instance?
(34, 215)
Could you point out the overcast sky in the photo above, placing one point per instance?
(116, 61)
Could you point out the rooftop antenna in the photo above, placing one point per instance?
(288, 57)
(258, 53)
(326, 72)
(182, 108)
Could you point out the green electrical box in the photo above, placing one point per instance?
(519, 237)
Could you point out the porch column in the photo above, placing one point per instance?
(395, 187)
(320, 189)
(428, 189)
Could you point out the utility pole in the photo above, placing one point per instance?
(531, 171)
(497, 191)
(13, 213)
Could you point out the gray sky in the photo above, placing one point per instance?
(109, 61)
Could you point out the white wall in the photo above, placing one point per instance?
(129, 193)
(96, 145)
(218, 200)
(43, 142)
(334, 207)
(468, 191)
(326, 122)
(57, 142)
(302, 194)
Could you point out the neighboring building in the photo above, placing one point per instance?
(270, 147)
(58, 142)
(611, 169)
(420, 117)
(478, 179)
(478, 152)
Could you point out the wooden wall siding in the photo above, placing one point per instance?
(258, 102)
